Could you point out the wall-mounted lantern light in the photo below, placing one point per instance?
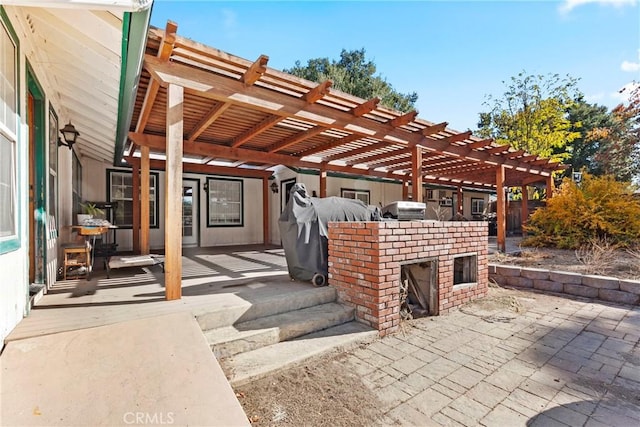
(274, 187)
(70, 134)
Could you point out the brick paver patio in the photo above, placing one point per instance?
(516, 358)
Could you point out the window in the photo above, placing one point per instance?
(362, 195)
(431, 195)
(53, 164)
(465, 269)
(120, 193)
(225, 202)
(477, 206)
(76, 184)
(8, 136)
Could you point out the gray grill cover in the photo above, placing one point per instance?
(304, 229)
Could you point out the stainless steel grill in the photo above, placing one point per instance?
(404, 211)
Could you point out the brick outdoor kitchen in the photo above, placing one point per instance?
(365, 260)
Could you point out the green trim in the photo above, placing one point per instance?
(13, 243)
(41, 172)
(135, 26)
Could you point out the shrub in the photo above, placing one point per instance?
(598, 208)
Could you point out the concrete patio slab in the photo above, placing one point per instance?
(156, 370)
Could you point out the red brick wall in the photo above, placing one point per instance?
(365, 259)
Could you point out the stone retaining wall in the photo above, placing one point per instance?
(601, 287)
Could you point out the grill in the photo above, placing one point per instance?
(404, 211)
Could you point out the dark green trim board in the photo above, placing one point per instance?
(135, 26)
(13, 243)
(41, 172)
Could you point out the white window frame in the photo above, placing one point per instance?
(225, 202)
(362, 195)
(474, 207)
(9, 133)
(53, 165)
(153, 196)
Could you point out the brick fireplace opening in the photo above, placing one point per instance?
(366, 262)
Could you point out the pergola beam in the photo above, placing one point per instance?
(318, 92)
(434, 129)
(164, 53)
(372, 159)
(219, 151)
(257, 129)
(207, 120)
(358, 151)
(294, 139)
(157, 164)
(479, 144)
(405, 119)
(497, 150)
(365, 107)
(338, 142)
(255, 71)
(447, 140)
(223, 88)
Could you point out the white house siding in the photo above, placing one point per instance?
(95, 189)
(14, 265)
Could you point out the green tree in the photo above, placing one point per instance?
(356, 75)
(532, 115)
(586, 119)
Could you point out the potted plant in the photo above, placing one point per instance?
(90, 210)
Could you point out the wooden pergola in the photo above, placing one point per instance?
(197, 101)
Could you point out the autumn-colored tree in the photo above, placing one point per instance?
(619, 149)
(532, 115)
(355, 75)
(597, 208)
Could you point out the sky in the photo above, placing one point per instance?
(453, 54)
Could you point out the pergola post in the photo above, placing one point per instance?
(135, 183)
(405, 189)
(501, 222)
(416, 173)
(323, 181)
(265, 210)
(524, 213)
(144, 199)
(550, 187)
(459, 201)
(173, 193)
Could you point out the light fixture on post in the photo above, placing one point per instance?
(70, 134)
(274, 187)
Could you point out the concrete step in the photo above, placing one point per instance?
(247, 336)
(245, 367)
(245, 309)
